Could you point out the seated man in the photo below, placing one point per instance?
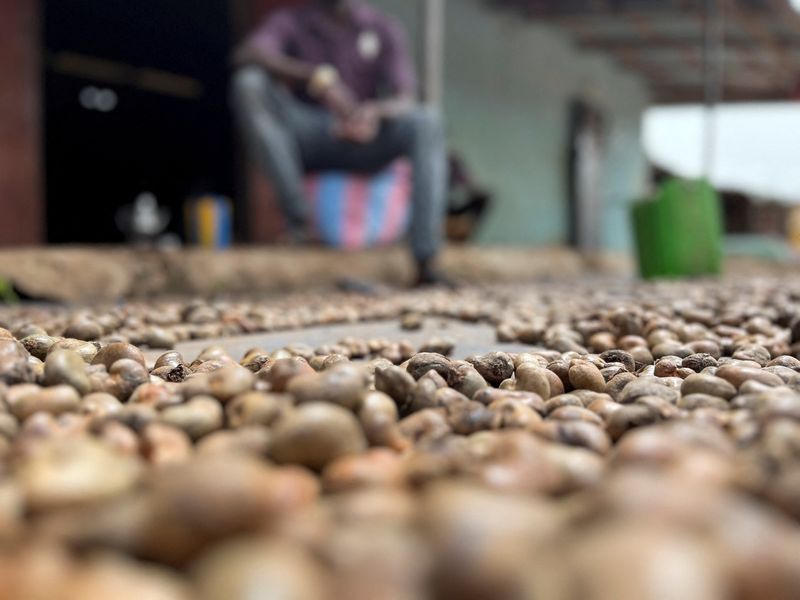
(329, 85)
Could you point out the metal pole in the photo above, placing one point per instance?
(433, 51)
(714, 65)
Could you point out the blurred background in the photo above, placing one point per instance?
(564, 114)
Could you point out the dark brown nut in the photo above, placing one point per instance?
(585, 376)
(698, 362)
(14, 364)
(108, 355)
(561, 369)
(283, 370)
(71, 472)
(170, 359)
(257, 408)
(379, 419)
(574, 413)
(125, 376)
(427, 424)
(737, 375)
(397, 384)
(424, 394)
(175, 374)
(709, 385)
(99, 404)
(494, 367)
(54, 400)
(757, 354)
(612, 371)
(647, 386)
(343, 384)
(667, 366)
(533, 378)
(198, 417)
(620, 356)
(316, 434)
(489, 396)
(629, 417)
(466, 379)
(377, 467)
(557, 402)
(575, 433)
(38, 345)
(67, 367)
(428, 361)
(255, 361)
(698, 400)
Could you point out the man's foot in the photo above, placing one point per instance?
(428, 276)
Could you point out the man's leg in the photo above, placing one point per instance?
(418, 135)
(261, 106)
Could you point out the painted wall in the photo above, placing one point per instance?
(508, 83)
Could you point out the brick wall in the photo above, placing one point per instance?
(21, 199)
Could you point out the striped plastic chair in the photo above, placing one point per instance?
(353, 211)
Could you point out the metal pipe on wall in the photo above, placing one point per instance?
(433, 28)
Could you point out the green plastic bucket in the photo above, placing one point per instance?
(678, 232)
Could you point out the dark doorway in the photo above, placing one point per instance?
(585, 155)
(135, 101)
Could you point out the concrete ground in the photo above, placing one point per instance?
(469, 338)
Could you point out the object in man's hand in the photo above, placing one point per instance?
(322, 79)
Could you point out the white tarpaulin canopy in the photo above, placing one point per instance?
(756, 147)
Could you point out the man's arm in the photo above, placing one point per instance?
(266, 48)
(295, 73)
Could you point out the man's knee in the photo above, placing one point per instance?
(426, 121)
(250, 79)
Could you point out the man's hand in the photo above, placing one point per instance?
(338, 99)
(363, 124)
